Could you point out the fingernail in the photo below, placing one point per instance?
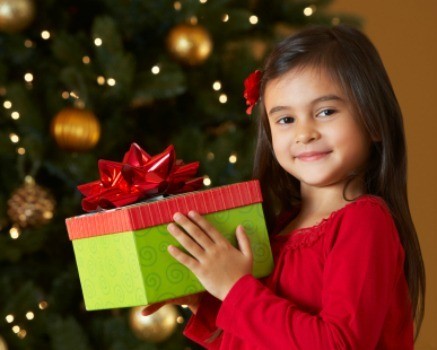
(192, 213)
(177, 216)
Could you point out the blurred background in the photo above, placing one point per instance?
(81, 80)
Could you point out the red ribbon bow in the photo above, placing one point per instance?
(139, 176)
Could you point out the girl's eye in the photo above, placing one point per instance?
(326, 112)
(286, 120)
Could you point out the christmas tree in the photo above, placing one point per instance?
(80, 80)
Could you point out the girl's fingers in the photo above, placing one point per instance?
(243, 241)
(206, 226)
(197, 232)
(183, 258)
(185, 240)
(150, 309)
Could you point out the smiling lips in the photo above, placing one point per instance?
(311, 156)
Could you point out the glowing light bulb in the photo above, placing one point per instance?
(155, 69)
(217, 85)
(207, 181)
(98, 42)
(253, 19)
(223, 98)
(7, 104)
(28, 77)
(233, 158)
(101, 80)
(45, 34)
(308, 11)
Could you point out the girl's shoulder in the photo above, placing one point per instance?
(364, 207)
(367, 211)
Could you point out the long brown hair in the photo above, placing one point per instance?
(354, 63)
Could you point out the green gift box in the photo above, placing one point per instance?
(121, 253)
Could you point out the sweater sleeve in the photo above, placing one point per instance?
(363, 264)
(201, 327)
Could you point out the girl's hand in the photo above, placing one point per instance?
(192, 301)
(214, 261)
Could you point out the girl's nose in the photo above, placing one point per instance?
(307, 133)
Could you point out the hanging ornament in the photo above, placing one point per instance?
(156, 327)
(190, 44)
(75, 129)
(16, 15)
(31, 205)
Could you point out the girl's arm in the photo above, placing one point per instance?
(363, 275)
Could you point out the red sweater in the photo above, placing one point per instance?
(337, 285)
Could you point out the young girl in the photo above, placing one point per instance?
(331, 160)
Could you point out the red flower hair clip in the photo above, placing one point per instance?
(251, 89)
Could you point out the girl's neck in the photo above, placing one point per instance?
(320, 202)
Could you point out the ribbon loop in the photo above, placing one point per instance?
(139, 176)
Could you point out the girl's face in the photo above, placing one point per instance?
(314, 133)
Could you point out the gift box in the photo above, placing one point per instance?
(121, 253)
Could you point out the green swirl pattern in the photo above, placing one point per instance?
(134, 268)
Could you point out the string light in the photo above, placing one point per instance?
(98, 42)
(9, 318)
(28, 43)
(180, 319)
(233, 158)
(308, 11)
(207, 181)
(22, 334)
(43, 305)
(7, 104)
(30, 315)
(223, 98)
(101, 80)
(74, 95)
(155, 69)
(21, 151)
(177, 5)
(210, 156)
(16, 329)
(45, 34)
(14, 137)
(15, 115)
(86, 59)
(217, 85)
(14, 232)
(253, 19)
(225, 18)
(193, 20)
(111, 81)
(203, 1)
(65, 95)
(28, 77)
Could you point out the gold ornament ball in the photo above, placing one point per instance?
(190, 44)
(3, 345)
(31, 205)
(15, 15)
(75, 129)
(156, 327)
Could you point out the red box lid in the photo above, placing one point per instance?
(147, 214)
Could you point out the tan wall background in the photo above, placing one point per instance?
(405, 33)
